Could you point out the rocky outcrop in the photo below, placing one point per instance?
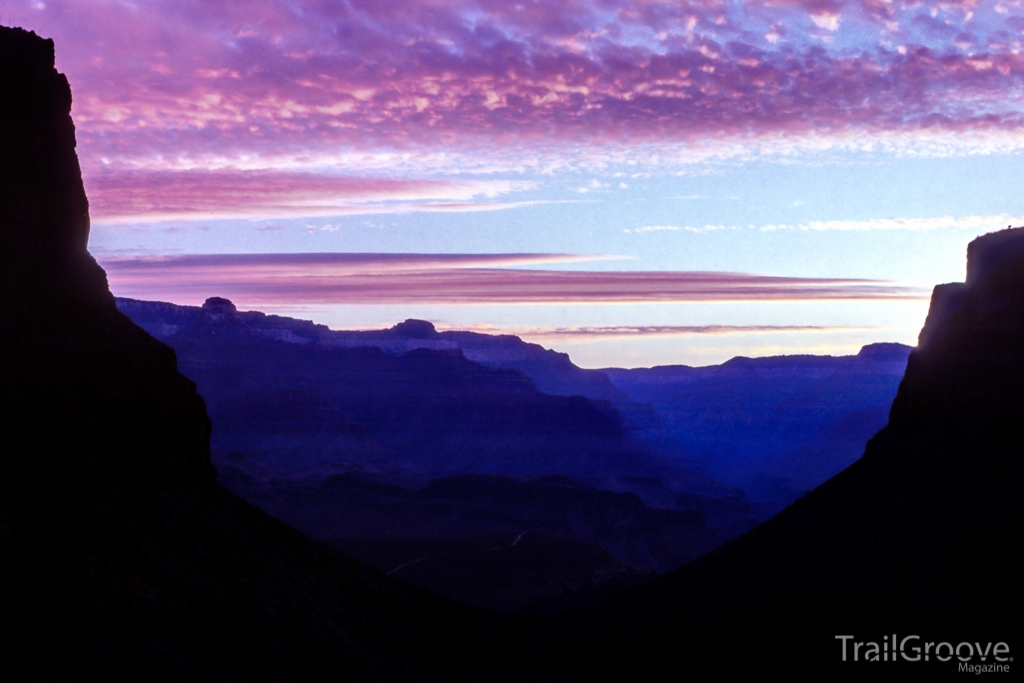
(75, 374)
(918, 537)
(119, 554)
(46, 273)
(774, 427)
(552, 372)
(965, 378)
(431, 447)
(425, 412)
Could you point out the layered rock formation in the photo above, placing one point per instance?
(437, 446)
(552, 372)
(774, 427)
(427, 412)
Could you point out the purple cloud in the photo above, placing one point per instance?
(309, 87)
(163, 195)
(239, 75)
(620, 331)
(261, 279)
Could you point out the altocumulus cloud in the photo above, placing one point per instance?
(311, 87)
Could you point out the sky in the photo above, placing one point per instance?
(633, 182)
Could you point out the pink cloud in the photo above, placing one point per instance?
(616, 332)
(337, 264)
(259, 279)
(165, 195)
(265, 75)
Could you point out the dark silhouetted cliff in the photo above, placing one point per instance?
(119, 554)
(74, 372)
(918, 537)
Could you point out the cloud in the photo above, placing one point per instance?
(654, 228)
(826, 20)
(975, 223)
(260, 83)
(260, 279)
(338, 264)
(971, 223)
(686, 228)
(616, 332)
(135, 196)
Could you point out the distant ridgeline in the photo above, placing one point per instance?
(410, 448)
(771, 427)
(397, 435)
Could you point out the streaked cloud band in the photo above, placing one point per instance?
(970, 223)
(150, 196)
(455, 279)
(636, 331)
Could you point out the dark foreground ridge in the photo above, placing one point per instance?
(118, 551)
(916, 538)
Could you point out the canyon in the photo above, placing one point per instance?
(122, 553)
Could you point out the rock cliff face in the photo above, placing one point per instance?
(119, 554)
(552, 372)
(916, 538)
(774, 427)
(428, 412)
(74, 372)
(290, 416)
(966, 378)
